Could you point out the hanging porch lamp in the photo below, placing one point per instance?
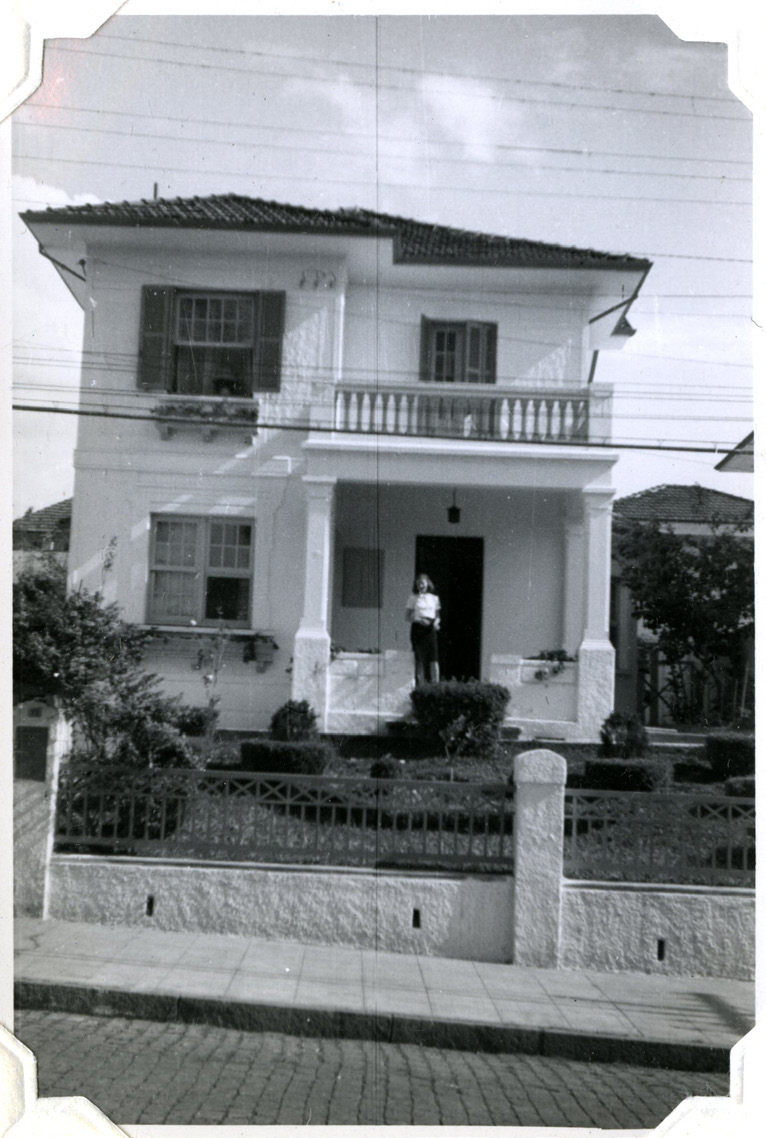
(453, 511)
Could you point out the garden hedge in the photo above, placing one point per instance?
(272, 756)
(624, 774)
(730, 754)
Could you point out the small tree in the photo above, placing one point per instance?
(697, 594)
(74, 647)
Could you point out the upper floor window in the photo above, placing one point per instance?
(458, 352)
(200, 570)
(210, 343)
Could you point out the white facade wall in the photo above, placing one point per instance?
(540, 338)
(523, 562)
(335, 331)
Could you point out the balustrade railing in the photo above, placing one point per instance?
(507, 415)
(679, 838)
(285, 818)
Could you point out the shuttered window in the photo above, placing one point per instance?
(210, 343)
(458, 352)
(201, 570)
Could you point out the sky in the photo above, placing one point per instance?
(606, 132)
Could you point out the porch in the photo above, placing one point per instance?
(521, 573)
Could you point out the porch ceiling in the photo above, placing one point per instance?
(440, 462)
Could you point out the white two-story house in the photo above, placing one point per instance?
(287, 412)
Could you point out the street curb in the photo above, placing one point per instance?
(383, 1027)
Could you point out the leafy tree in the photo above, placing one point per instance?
(76, 648)
(697, 594)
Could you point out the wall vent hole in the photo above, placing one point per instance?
(660, 949)
(150, 905)
(416, 918)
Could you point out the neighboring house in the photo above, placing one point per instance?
(640, 678)
(40, 533)
(307, 407)
(740, 459)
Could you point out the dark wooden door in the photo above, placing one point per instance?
(456, 567)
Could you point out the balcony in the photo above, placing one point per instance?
(207, 414)
(577, 415)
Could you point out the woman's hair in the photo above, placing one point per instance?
(423, 577)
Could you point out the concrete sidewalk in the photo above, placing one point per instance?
(234, 981)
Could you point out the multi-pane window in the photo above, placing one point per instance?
(458, 352)
(210, 343)
(201, 570)
(213, 344)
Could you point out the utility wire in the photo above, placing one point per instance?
(415, 70)
(303, 428)
(432, 159)
(31, 105)
(101, 163)
(743, 119)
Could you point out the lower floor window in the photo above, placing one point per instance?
(200, 570)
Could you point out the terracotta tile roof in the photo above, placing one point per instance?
(684, 504)
(37, 529)
(414, 241)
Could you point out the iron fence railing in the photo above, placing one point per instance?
(285, 818)
(673, 838)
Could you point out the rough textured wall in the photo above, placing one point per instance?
(459, 917)
(705, 931)
(30, 830)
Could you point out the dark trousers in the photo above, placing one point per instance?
(425, 646)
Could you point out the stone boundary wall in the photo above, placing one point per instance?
(671, 930)
(435, 914)
(536, 918)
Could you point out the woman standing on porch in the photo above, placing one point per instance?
(423, 612)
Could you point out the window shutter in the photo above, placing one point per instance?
(270, 327)
(490, 375)
(426, 336)
(155, 337)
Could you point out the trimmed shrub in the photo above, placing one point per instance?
(622, 774)
(191, 720)
(465, 714)
(730, 754)
(294, 720)
(693, 770)
(741, 787)
(623, 737)
(274, 756)
(385, 768)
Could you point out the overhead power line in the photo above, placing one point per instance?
(377, 85)
(156, 117)
(379, 66)
(668, 445)
(505, 191)
(430, 157)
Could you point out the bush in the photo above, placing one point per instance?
(274, 756)
(294, 720)
(191, 720)
(385, 768)
(465, 714)
(693, 770)
(621, 774)
(730, 754)
(741, 787)
(623, 737)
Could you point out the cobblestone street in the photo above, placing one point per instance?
(138, 1071)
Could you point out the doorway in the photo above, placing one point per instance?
(456, 567)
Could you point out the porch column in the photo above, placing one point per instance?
(574, 551)
(596, 654)
(311, 651)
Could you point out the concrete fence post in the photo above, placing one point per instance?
(538, 842)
